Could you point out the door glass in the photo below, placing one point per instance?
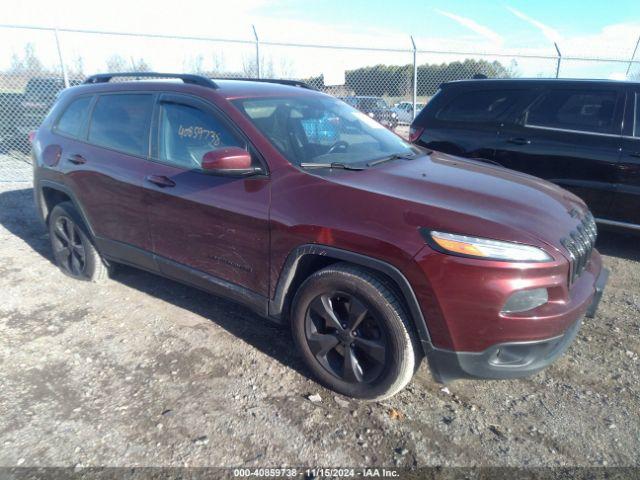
(478, 106)
(121, 122)
(74, 117)
(581, 110)
(187, 133)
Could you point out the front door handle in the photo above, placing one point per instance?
(519, 141)
(160, 180)
(76, 159)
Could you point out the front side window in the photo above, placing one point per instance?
(581, 110)
(74, 118)
(121, 122)
(318, 129)
(478, 106)
(187, 133)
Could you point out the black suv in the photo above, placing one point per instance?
(581, 134)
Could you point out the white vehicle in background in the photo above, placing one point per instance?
(404, 111)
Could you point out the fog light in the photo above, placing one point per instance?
(524, 300)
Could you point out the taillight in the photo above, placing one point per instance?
(31, 135)
(415, 133)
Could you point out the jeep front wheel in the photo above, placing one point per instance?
(353, 333)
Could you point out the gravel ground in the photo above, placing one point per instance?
(142, 371)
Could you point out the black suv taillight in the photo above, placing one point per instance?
(415, 133)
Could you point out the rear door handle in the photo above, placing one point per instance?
(160, 180)
(77, 159)
(519, 141)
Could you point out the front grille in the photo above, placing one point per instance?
(580, 244)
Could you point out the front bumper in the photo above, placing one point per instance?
(510, 359)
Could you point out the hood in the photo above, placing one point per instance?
(447, 193)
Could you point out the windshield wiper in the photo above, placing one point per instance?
(395, 156)
(344, 166)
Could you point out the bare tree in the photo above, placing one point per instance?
(116, 63)
(140, 65)
(77, 68)
(218, 63)
(194, 64)
(28, 63)
(249, 67)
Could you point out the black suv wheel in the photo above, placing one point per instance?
(353, 333)
(73, 250)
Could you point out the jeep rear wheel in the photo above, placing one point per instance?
(353, 333)
(73, 249)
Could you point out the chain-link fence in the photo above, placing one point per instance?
(36, 63)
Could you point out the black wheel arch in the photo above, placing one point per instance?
(307, 259)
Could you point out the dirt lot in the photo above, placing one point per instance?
(144, 371)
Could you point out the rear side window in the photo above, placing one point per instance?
(187, 133)
(74, 118)
(478, 106)
(121, 122)
(581, 110)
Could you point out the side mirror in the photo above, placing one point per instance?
(229, 161)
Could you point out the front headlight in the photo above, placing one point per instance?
(484, 248)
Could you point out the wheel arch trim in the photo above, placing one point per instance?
(67, 191)
(293, 261)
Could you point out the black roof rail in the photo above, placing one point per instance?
(291, 83)
(185, 77)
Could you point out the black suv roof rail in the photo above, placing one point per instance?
(191, 78)
(281, 81)
(185, 77)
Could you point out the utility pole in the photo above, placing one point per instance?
(255, 34)
(415, 77)
(559, 59)
(63, 67)
(632, 57)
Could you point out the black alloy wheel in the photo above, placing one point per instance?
(346, 337)
(73, 248)
(68, 247)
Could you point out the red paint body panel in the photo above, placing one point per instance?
(217, 225)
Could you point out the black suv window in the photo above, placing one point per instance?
(74, 117)
(478, 106)
(582, 110)
(121, 122)
(187, 133)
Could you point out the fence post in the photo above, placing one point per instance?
(559, 59)
(415, 77)
(255, 34)
(632, 57)
(63, 67)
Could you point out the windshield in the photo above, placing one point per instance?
(322, 130)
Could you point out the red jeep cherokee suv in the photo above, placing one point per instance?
(310, 213)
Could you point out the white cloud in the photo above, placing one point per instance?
(474, 26)
(549, 32)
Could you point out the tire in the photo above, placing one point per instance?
(80, 261)
(353, 333)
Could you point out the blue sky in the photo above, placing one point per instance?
(425, 17)
(581, 28)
